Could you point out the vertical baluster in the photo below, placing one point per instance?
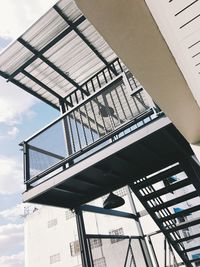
(76, 97)
(99, 107)
(71, 101)
(110, 73)
(97, 127)
(93, 87)
(127, 102)
(104, 76)
(83, 127)
(77, 130)
(86, 112)
(120, 65)
(116, 91)
(98, 81)
(116, 110)
(68, 118)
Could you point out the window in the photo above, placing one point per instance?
(121, 192)
(52, 223)
(170, 180)
(54, 258)
(69, 214)
(196, 257)
(100, 262)
(186, 233)
(95, 243)
(118, 231)
(181, 219)
(74, 248)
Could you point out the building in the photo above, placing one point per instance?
(110, 133)
(57, 228)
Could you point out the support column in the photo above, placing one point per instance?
(144, 247)
(85, 253)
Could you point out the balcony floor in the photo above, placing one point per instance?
(150, 149)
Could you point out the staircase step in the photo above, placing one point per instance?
(192, 249)
(188, 238)
(184, 225)
(168, 189)
(158, 177)
(169, 236)
(175, 201)
(195, 260)
(181, 213)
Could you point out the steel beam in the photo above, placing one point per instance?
(47, 47)
(82, 36)
(99, 210)
(50, 64)
(175, 201)
(41, 84)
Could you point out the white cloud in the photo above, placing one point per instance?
(11, 174)
(14, 103)
(11, 236)
(13, 132)
(17, 16)
(14, 213)
(16, 260)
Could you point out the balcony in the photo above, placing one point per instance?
(100, 143)
(110, 132)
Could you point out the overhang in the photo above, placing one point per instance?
(56, 55)
(131, 31)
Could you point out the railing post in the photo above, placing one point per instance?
(153, 251)
(85, 252)
(66, 130)
(26, 163)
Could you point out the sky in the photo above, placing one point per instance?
(20, 116)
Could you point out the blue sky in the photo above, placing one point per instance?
(20, 116)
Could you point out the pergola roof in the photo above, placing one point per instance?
(56, 55)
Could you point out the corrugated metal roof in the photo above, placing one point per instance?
(56, 55)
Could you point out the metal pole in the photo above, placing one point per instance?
(26, 163)
(153, 251)
(165, 251)
(85, 253)
(66, 130)
(145, 249)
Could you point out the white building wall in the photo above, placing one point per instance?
(49, 232)
(43, 242)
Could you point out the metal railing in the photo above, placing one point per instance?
(113, 108)
(123, 251)
(162, 253)
(95, 83)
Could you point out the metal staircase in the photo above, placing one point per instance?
(159, 198)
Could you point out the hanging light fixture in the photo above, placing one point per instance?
(113, 201)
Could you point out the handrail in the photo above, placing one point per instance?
(115, 80)
(108, 112)
(84, 150)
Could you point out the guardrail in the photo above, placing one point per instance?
(117, 106)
